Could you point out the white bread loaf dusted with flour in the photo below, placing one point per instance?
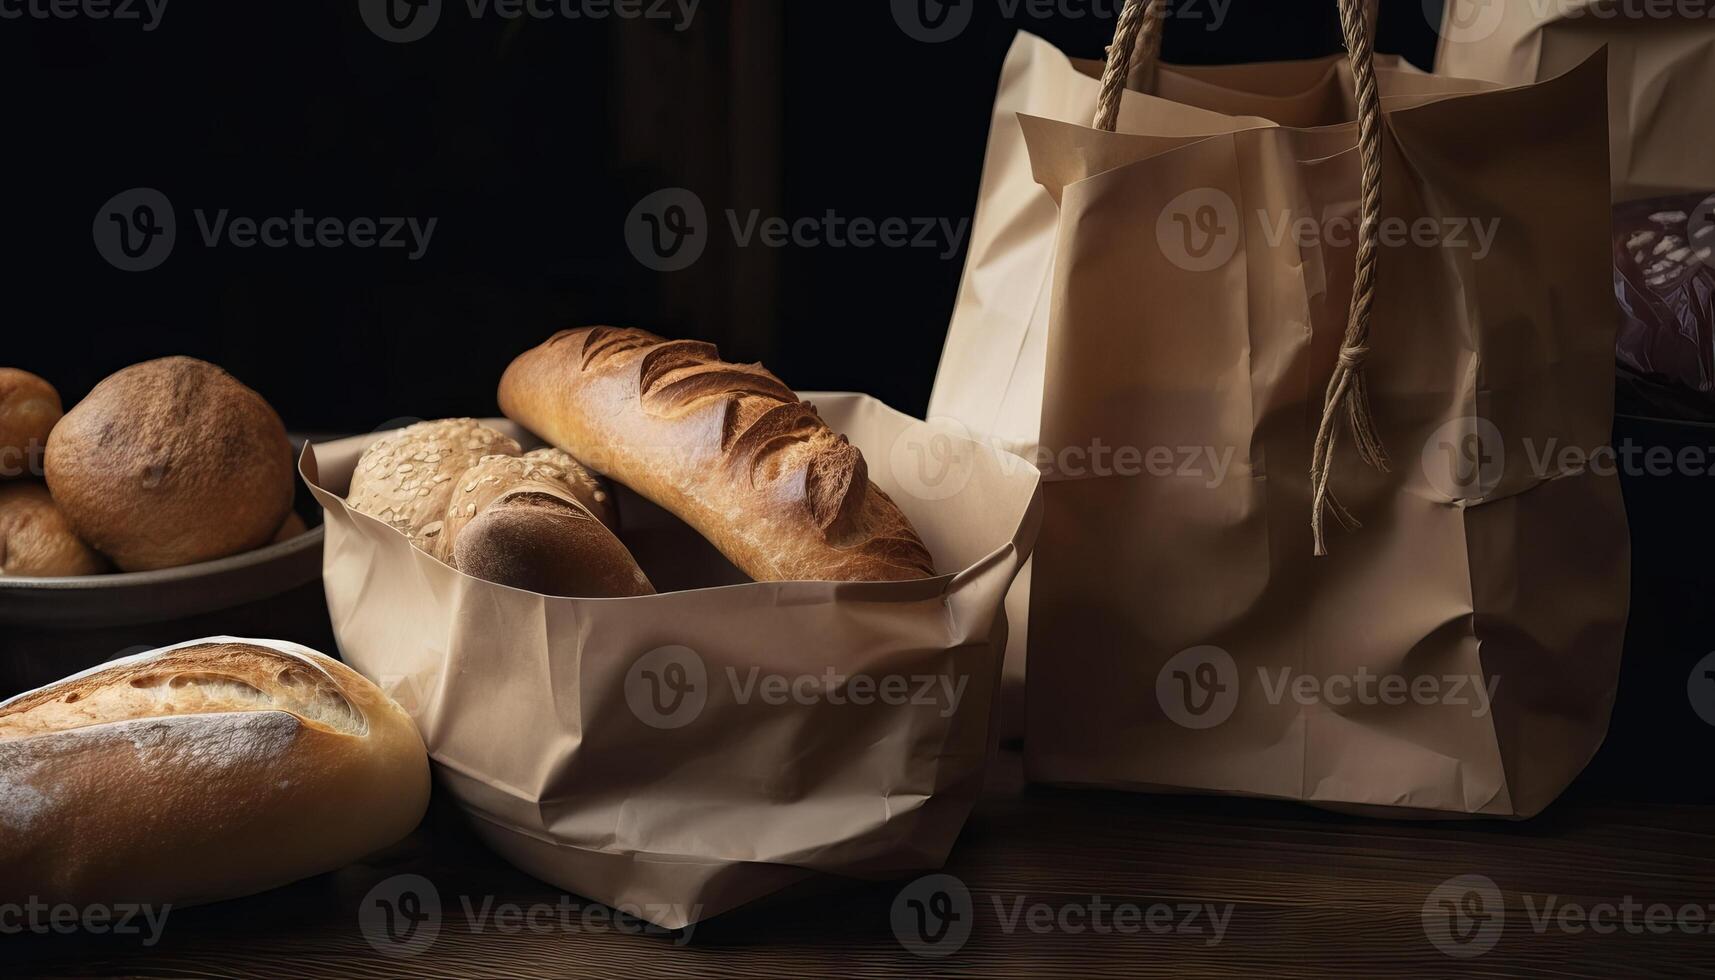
(462, 492)
(201, 773)
(727, 448)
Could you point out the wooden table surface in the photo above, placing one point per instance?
(1061, 883)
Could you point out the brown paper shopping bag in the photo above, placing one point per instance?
(1405, 319)
(1661, 65)
(680, 754)
(989, 384)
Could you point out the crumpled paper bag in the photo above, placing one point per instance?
(687, 752)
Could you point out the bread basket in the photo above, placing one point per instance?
(680, 754)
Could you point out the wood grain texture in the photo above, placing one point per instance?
(1313, 894)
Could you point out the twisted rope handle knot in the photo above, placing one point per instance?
(1138, 34)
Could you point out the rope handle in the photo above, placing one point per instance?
(1138, 34)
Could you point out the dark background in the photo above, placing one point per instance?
(530, 141)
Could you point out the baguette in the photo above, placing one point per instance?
(727, 448)
(200, 773)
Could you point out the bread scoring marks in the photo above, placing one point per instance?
(207, 679)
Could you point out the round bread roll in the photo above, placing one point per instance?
(199, 773)
(35, 539)
(406, 479)
(542, 543)
(29, 407)
(171, 462)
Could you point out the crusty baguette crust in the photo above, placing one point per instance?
(728, 448)
(199, 774)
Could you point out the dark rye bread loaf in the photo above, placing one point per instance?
(727, 448)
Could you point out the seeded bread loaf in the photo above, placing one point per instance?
(727, 448)
(462, 492)
(201, 773)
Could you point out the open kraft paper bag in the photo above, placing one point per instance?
(1661, 74)
(1456, 654)
(622, 748)
(989, 384)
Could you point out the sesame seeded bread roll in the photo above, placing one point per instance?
(536, 521)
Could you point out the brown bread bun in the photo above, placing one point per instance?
(29, 407)
(35, 539)
(171, 462)
(528, 522)
(201, 773)
(727, 448)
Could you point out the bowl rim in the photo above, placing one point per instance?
(311, 538)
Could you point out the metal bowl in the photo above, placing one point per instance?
(52, 627)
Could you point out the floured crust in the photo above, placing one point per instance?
(728, 448)
(201, 773)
